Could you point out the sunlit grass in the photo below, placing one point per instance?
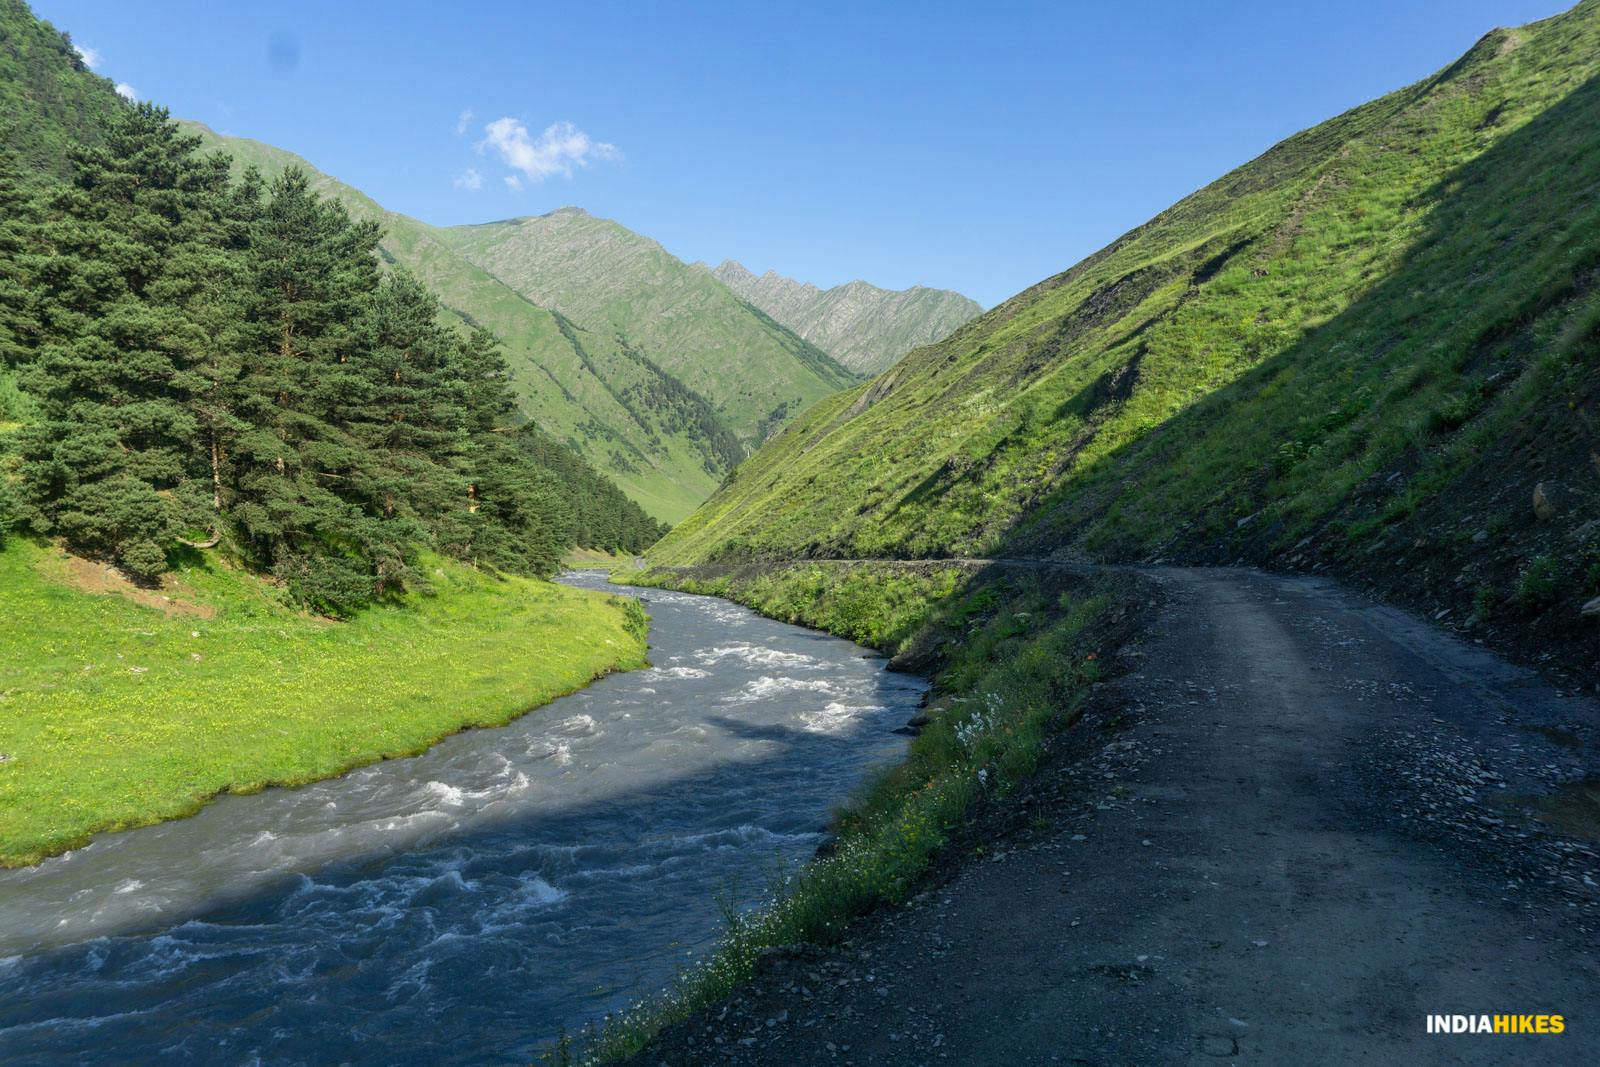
(878, 606)
(115, 714)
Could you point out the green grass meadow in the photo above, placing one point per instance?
(116, 714)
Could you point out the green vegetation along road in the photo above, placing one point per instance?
(1292, 826)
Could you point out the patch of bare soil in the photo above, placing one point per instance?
(102, 579)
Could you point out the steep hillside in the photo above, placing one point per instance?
(48, 98)
(866, 328)
(616, 284)
(658, 439)
(1374, 349)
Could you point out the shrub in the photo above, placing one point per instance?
(634, 618)
(1539, 584)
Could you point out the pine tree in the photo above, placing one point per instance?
(19, 236)
(219, 396)
(131, 257)
(483, 383)
(521, 519)
(408, 415)
(308, 281)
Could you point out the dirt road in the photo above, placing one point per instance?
(1297, 826)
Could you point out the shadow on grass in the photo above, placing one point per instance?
(1382, 442)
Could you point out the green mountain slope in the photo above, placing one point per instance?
(659, 440)
(48, 98)
(1376, 348)
(617, 284)
(866, 328)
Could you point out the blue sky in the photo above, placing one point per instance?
(979, 147)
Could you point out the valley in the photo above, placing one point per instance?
(659, 374)
(599, 374)
(506, 640)
(1367, 355)
(1315, 363)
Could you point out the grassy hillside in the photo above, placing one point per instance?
(866, 328)
(121, 706)
(1376, 348)
(617, 284)
(49, 99)
(656, 438)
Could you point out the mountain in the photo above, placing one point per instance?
(866, 328)
(1374, 350)
(660, 376)
(615, 283)
(661, 441)
(49, 99)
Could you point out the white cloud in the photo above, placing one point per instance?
(90, 56)
(126, 91)
(561, 147)
(471, 180)
(513, 183)
(463, 121)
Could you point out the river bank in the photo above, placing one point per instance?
(1293, 826)
(469, 904)
(1013, 657)
(124, 706)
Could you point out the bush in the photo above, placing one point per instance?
(1458, 409)
(1539, 584)
(14, 403)
(634, 618)
(1485, 600)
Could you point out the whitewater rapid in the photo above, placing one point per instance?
(470, 904)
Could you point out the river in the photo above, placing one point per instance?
(467, 905)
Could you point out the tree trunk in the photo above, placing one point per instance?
(216, 472)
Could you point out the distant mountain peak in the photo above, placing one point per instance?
(731, 268)
(863, 326)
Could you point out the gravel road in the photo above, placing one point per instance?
(1299, 824)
